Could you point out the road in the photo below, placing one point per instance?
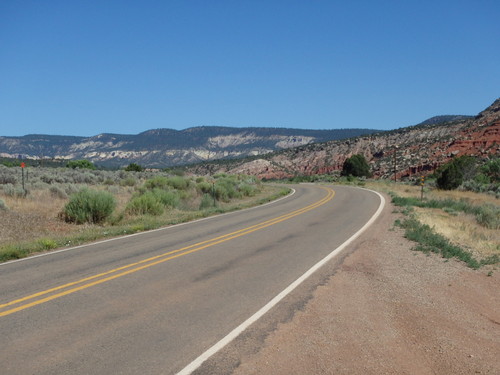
(151, 303)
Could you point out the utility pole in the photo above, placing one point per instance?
(395, 162)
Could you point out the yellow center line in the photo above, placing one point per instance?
(152, 261)
(288, 215)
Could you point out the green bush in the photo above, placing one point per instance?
(492, 169)
(157, 182)
(356, 166)
(3, 206)
(226, 189)
(133, 167)
(14, 191)
(204, 187)
(145, 204)
(452, 174)
(80, 164)
(450, 177)
(129, 181)
(168, 198)
(247, 190)
(178, 182)
(488, 216)
(89, 206)
(57, 192)
(207, 201)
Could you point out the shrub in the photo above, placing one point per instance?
(133, 167)
(167, 198)
(129, 181)
(57, 192)
(157, 182)
(492, 169)
(207, 201)
(450, 177)
(356, 166)
(225, 189)
(89, 206)
(247, 190)
(14, 191)
(80, 164)
(204, 187)
(71, 189)
(489, 216)
(452, 174)
(7, 177)
(3, 206)
(145, 204)
(178, 183)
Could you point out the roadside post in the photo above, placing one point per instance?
(422, 182)
(213, 192)
(22, 172)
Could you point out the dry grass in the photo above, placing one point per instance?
(37, 215)
(462, 230)
(459, 228)
(34, 219)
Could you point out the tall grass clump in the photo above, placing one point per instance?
(145, 204)
(89, 206)
(169, 198)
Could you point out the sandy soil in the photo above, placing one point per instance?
(381, 309)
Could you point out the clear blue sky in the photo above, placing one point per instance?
(87, 67)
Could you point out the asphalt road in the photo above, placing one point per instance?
(152, 303)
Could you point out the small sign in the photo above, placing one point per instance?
(23, 165)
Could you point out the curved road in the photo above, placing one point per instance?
(152, 303)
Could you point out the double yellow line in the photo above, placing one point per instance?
(72, 287)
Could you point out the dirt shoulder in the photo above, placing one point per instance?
(380, 309)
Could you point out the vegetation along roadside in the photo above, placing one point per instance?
(63, 207)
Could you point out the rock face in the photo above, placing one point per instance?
(408, 151)
(168, 147)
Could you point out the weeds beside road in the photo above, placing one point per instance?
(459, 224)
(66, 207)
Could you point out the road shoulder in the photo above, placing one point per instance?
(380, 308)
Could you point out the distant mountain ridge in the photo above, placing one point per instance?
(445, 118)
(168, 147)
(401, 153)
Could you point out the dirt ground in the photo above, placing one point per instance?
(381, 309)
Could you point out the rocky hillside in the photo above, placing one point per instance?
(413, 150)
(168, 147)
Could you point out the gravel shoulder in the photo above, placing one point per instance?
(380, 308)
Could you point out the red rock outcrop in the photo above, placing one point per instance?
(406, 152)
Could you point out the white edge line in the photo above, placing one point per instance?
(238, 330)
(145, 232)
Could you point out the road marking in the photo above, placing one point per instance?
(238, 330)
(149, 262)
